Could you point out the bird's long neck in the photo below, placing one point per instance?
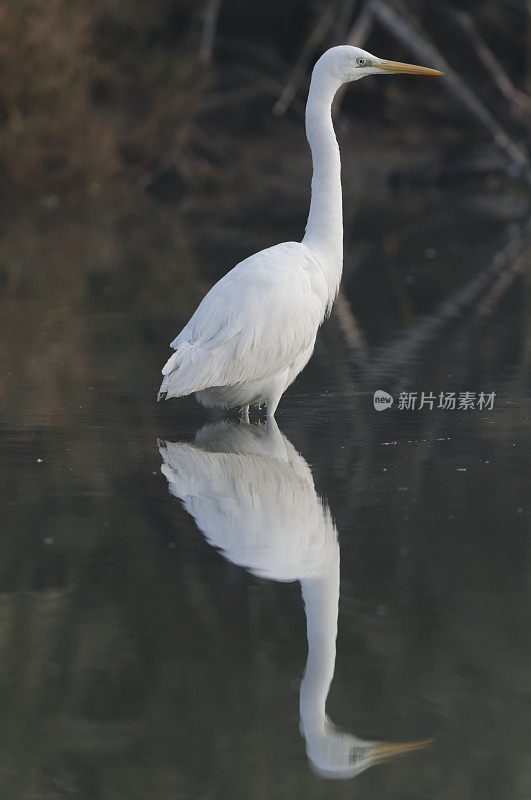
(324, 229)
(321, 597)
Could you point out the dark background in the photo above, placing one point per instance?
(138, 163)
(175, 98)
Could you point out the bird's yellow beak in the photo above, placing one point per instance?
(390, 749)
(408, 69)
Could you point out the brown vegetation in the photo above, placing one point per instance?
(127, 96)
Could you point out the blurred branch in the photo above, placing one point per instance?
(259, 53)
(317, 35)
(208, 34)
(520, 101)
(349, 327)
(490, 300)
(361, 27)
(233, 97)
(260, 85)
(403, 26)
(401, 351)
(343, 17)
(357, 37)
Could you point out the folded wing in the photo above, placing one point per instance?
(252, 324)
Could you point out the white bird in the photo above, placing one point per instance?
(252, 495)
(255, 330)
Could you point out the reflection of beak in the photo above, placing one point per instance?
(409, 69)
(389, 749)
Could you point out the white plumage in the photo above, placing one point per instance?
(237, 354)
(255, 330)
(253, 497)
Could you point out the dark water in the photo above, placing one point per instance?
(140, 662)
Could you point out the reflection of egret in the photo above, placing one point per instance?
(255, 330)
(252, 495)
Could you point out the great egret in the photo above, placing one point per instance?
(252, 495)
(255, 329)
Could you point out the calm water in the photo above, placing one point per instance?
(148, 655)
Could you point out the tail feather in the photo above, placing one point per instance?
(184, 373)
(172, 362)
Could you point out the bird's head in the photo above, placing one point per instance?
(334, 753)
(352, 63)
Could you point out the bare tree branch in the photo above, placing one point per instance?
(361, 27)
(208, 34)
(403, 27)
(520, 100)
(349, 327)
(357, 36)
(398, 353)
(317, 35)
(343, 17)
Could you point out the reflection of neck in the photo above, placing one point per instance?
(321, 598)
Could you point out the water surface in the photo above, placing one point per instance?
(140, 660)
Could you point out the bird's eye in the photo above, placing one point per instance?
(360, 61)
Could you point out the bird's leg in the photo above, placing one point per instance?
(245, 414)
(272, 407)
(274, 399)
